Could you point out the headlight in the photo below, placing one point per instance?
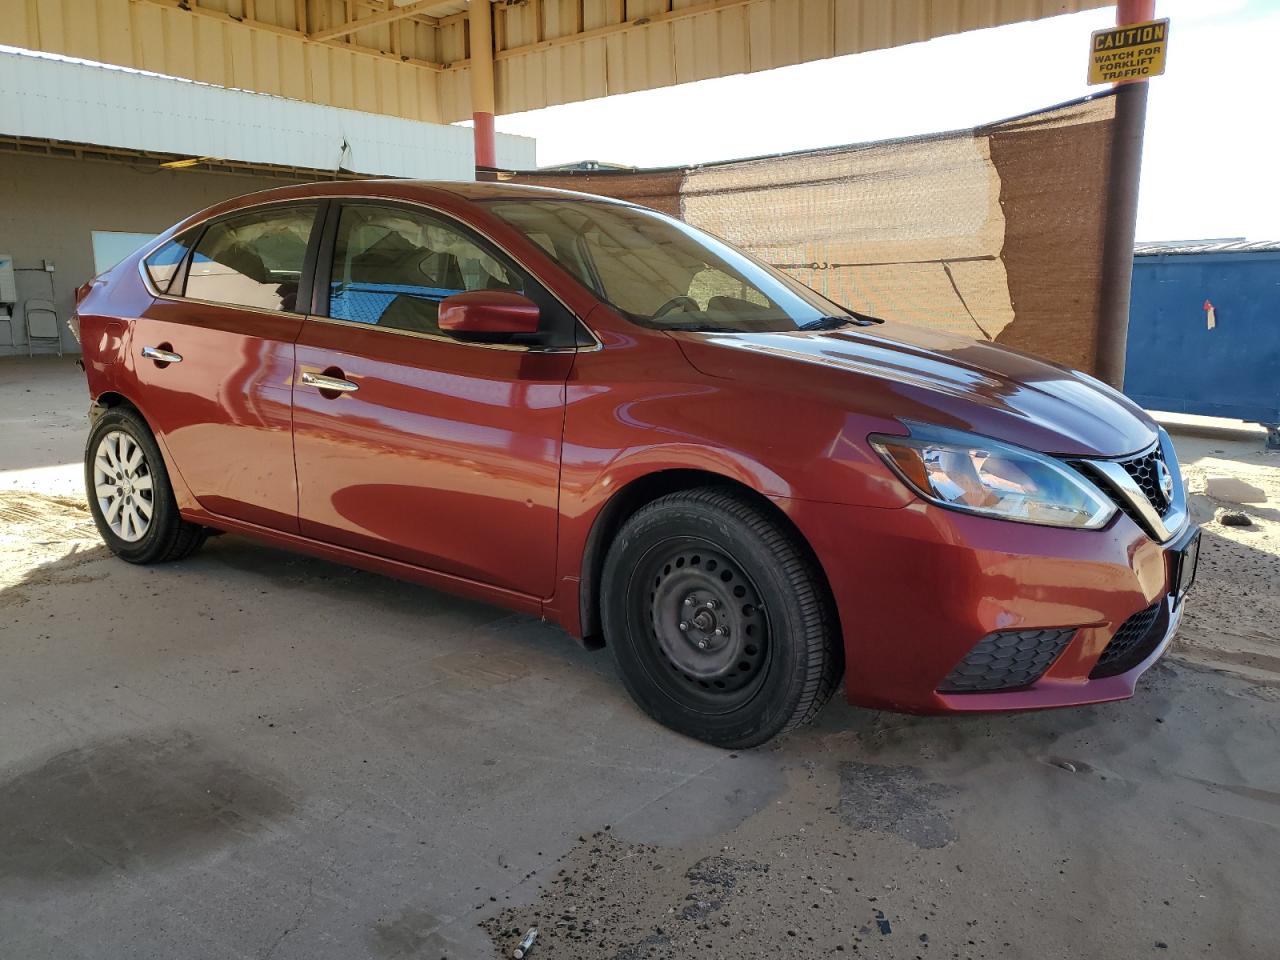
(970, 473)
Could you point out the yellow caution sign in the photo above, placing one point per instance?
(1134, 52)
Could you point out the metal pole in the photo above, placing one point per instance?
(480, 19)
(1122, 211)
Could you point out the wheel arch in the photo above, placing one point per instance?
(636, 494)
(111, 398)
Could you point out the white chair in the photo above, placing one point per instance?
(42, 323)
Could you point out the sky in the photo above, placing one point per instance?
(1211, 161)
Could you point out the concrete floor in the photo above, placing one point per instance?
(257, 755)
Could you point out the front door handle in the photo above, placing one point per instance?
(325, 383)
(160, 355)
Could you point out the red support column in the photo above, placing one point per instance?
(1122, 211)
(480, 21)
(486, 140)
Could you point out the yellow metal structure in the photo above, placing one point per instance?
(410, 58)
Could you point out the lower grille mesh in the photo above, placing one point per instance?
(1006, 660)
(1131, 644)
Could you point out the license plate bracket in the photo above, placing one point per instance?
(1183, 562)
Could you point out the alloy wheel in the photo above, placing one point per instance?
(122, 483)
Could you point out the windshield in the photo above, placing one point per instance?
(661, 273)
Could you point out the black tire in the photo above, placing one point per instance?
(166, 536)
(697, 560)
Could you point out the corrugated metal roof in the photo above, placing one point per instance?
(547, 52)
(55, 99)
(550, 52)
(1183, 247)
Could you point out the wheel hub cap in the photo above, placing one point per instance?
(122, 485)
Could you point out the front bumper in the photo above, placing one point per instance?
(917, 588)
(1051, 691)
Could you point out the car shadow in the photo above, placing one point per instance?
(1231, 574)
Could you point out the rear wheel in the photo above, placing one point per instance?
(129, 493)
(720, 624)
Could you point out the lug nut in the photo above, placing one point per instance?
(688, 601)
(711, 604)
(702, 644)
(721, 631)
(684, 624)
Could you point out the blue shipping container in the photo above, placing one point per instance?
(1176, 361)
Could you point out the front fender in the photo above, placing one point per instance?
(637, 408)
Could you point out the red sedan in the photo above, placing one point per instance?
(588, 411)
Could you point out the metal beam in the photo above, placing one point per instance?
(224, 17)
(381, 6)
(390, 16)
(609, 29)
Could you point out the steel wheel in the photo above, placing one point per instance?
(122, 483)
(721, 626)
(709, 626)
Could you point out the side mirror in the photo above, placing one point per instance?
(489, 312)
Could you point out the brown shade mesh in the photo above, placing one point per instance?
(994, 232)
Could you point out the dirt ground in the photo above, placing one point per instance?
(263, 756)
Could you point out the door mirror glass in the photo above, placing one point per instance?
(489, 313)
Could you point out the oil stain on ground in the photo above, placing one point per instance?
(125, 803)
(894, 799)
(409, 934)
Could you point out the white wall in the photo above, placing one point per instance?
(51, 207)
(68, 100)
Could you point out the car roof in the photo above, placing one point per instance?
(390, 189)
(419, 189)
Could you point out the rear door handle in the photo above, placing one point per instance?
(161, 356)
(323, 383)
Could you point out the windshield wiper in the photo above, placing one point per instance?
(835, 323)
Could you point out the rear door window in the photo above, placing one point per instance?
(253, 259)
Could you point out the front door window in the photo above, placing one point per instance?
(392, 267)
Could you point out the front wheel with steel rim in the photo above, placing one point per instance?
(721, 624)
(129, 493)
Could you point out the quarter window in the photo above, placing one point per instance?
(392, 267)
(253, 260)
(162, 266)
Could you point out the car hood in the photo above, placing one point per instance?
(899, 372)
